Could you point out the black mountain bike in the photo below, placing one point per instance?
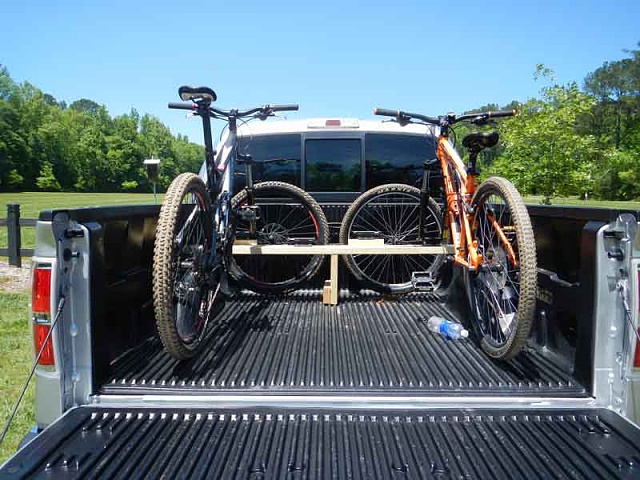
(200, 219)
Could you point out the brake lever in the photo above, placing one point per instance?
(482, 120)
(403, 120)
(264, 115)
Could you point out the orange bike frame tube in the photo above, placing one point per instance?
(464, 245)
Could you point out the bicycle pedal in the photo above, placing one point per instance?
(423, 281)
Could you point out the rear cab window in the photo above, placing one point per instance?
(396, 158)
(339, 160)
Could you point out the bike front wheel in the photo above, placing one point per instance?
(183, 285)
(391, 214)
(502, 291)
(284, 215)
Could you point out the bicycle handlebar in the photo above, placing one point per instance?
(284, 108)
(405, 117)
(483, 116)
(264, 110)
(182, 106)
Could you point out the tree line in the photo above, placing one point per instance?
(576, 140)
(570, 140)
(48, 145)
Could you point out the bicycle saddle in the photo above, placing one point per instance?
(478, 141)
(196, 94)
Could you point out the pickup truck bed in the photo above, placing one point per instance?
(331, 443)
(369, 344)
(288, 387)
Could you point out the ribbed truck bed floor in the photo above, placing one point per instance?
(365, 344)
(99, 442)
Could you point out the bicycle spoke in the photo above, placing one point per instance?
(394, 215)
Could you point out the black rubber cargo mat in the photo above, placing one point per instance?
(365, 344)
(99, 442)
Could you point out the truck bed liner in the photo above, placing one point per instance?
(100, 442)
(366, 344)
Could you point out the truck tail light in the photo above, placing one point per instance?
(41, 313)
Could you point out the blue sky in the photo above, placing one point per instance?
(334, 58)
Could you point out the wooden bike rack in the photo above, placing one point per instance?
(355, 247)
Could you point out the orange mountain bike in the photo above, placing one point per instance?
(487, 225)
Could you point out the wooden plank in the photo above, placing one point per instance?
(334, 279)
(326, 293)
(366, 241)
(338, 249)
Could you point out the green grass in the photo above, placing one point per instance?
(575, 201)
(32, 203)
(15, 364)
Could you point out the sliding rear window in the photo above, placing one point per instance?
(333, 164)
(396, 158)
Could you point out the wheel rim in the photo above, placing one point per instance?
(496, 284)
(191, 296)
(282, 221)
(392, 217)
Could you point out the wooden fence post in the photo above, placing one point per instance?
(13, 237)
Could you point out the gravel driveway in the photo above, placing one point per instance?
(14, 279)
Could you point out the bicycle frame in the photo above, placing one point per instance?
(220, 170)
(458, 194)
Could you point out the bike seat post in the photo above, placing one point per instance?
(471, 166)
(210, 153)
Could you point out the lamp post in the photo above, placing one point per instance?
(152, 166)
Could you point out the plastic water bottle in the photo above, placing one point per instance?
(447, 328)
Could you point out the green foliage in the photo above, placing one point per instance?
(46, 146)
(47, 180)
(129, 185)
(14, 180)
(620, 178)
(545, 154)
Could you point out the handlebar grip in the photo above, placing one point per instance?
(182, 106)
(501, 113)
(284, 108)
(386, 113)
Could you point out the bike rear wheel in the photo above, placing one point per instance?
(502, 292)
(183, 285)
(391, 213)
(287, 216)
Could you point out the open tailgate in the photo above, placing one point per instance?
(104, 442)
